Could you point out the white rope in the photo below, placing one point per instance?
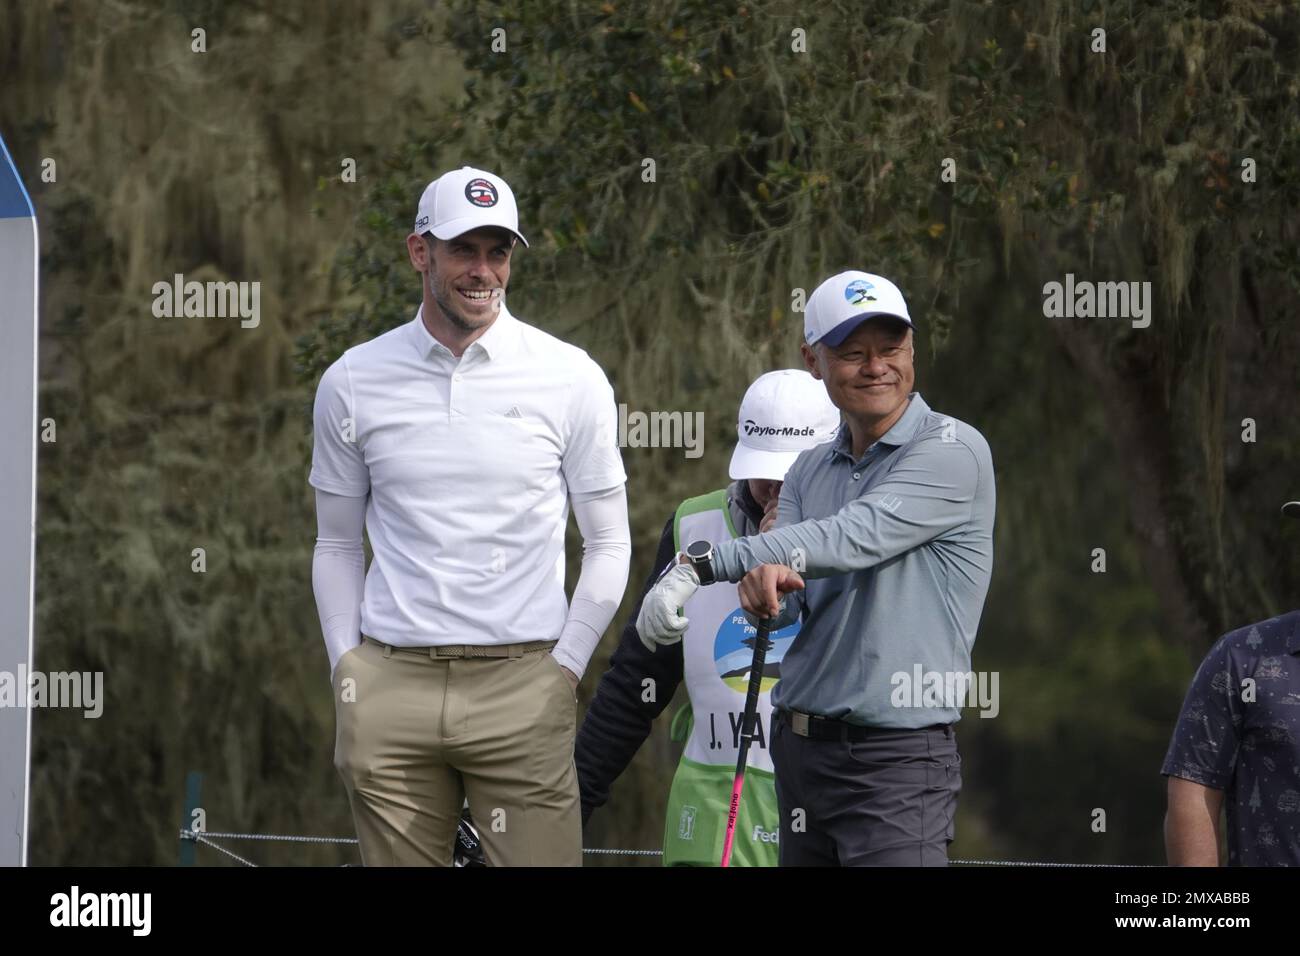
(1104, 866)
(185, 834)
(201, 838)
(205, 837)
(624, 852)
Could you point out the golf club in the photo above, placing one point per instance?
(761, 645)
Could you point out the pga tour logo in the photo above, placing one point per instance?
(686, 823)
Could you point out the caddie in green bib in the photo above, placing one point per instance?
(783, 414)
(717, 649)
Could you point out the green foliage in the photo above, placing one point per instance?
(773, 169)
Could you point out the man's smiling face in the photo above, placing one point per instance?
(869, 375)
(469, 274)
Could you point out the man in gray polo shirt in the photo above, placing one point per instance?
(884, 549)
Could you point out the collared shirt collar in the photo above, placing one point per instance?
(902, 431)
(495, 342)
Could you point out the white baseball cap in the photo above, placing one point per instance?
(783, 413)
(843, 302)
(466, 199)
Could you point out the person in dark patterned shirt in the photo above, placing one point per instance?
(1238, 738)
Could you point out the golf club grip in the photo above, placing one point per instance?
(751, 694)
(737, 788)
(746, 733)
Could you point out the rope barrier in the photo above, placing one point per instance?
(624, 852)
(1069, 866)
(200, 838)
(270, 836)
(206, 838)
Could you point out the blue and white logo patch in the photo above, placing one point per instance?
(733, 651)
(859, 291)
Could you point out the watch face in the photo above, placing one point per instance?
(698, 550)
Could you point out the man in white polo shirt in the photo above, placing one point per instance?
(457, 442)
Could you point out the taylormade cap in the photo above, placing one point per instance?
(843, 302)
(783, 413)
(466, 199)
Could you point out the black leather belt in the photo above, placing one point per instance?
(828, 728)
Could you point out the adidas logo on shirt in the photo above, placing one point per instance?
(514, 412)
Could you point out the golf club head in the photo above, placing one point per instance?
(469, 848)
(1291, 509)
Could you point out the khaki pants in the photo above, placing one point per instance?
(419, 730)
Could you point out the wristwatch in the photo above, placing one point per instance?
(700, 554)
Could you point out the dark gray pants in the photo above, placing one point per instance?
(889, 801)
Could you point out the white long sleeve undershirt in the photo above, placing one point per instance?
(606, 554)
(338, 572)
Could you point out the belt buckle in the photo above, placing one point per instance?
(799, 723)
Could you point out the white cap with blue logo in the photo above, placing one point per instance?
(843, 302)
